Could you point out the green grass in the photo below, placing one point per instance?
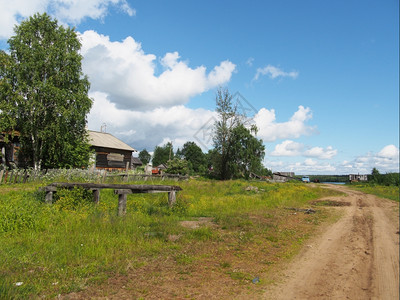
(388, 192)
(70, 245)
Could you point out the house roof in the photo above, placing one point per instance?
(106, 140)
(136, 161)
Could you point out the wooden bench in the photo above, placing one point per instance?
(122, 190)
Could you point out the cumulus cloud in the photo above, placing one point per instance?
(270, 130)
(308, 166)
(291, 148)
(386, 160)
(390, 152)
(66, 11)
(274, 72)
(128, 75)
(147, 129)
(321, 153)
(288, 148)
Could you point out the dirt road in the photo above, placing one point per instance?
(355, 258)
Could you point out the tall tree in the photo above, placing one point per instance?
(196, 158)
(163, 154)
(228, 119)
(49, 92)
(245, 152)
(236, 151)
(144, 156)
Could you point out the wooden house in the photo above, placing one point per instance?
(9, 146)
(358, 177)
(283, 176)
(111, 153)
(136, 162)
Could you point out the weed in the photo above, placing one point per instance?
(76, 243)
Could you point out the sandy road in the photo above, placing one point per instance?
(355, 258)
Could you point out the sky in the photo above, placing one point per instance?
(320, 79)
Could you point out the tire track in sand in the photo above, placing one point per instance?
(355, 258)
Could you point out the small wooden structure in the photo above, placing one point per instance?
(136, 162)
(111, 153)
(122, 190)
(358, 177)
(284, 176)
(9, 146)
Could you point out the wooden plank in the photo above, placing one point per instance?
(26, 175)
(1, 175)
(11, 177)
(119, 192)
(96, 195)
(171, 198)
(49, 197)
(17, 175)
(137, 187)
(122, 204)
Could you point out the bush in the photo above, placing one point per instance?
(74, 199)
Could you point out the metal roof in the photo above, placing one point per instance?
(106, 140)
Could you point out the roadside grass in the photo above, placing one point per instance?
(48, 250)
(388, 192)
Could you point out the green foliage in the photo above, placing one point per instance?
(61, 248)
(195, 156)
(43, 81)
(177, 166)
(163, 154)
(385, 191)
(388, 179)
(144, 156)
(245, 152)
(328, 178)
(74, 199)
(236, 151)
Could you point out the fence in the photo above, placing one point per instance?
(24, 176)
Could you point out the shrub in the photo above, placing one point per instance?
(73, 199)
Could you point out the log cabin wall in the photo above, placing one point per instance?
(107, 158)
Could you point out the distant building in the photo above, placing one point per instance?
(358, 177)
(9, 146)
(283, 176)
(136, 162)
(111, 153)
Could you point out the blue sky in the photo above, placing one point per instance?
(323, 76)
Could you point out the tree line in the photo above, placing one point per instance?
(44, 100)
(236, 154)
(388, 179)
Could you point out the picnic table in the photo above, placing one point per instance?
(122, 190)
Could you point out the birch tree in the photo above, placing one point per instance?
(49, 94)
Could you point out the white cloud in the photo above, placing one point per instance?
(147, 129)
(74, 11)
(270, 130)
(274, 72)
(390, 152)
(307, 167)
(128, 75)
(291, 148)
(321, 153)
(153, 126)
(386, 160)
(288, 148)
(66, 11)
(250, 61)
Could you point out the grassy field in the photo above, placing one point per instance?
(389, 192)
(221, 238)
